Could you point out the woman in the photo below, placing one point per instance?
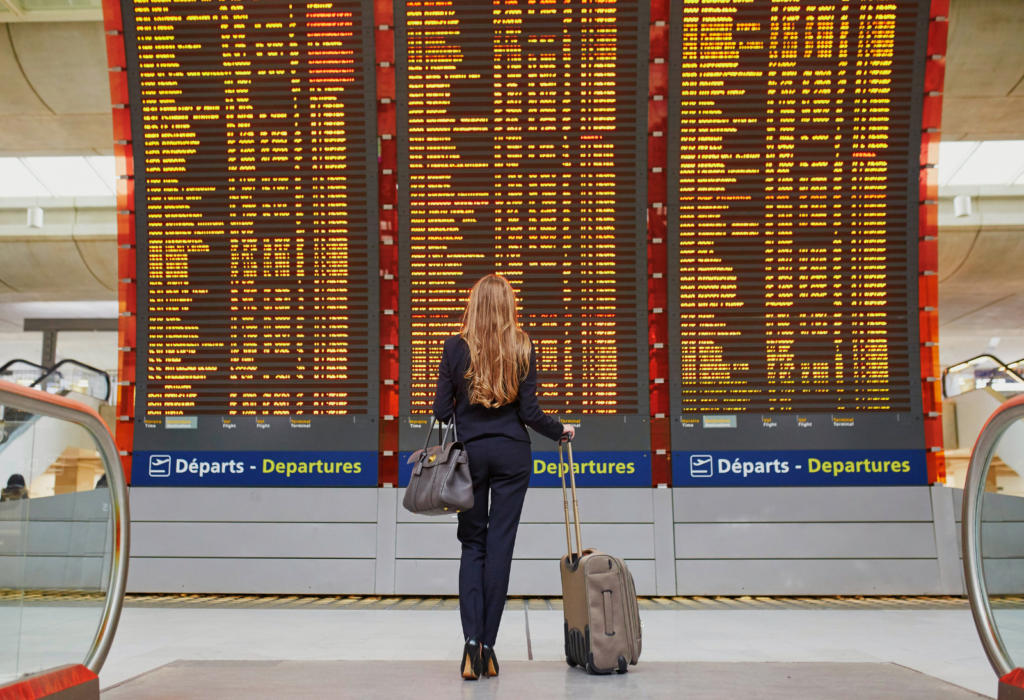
(488, 381)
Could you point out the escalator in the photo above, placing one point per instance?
(972, 391)
(65, 378)
(992, 537)
(64, 536)
(984, 372)
(72, 379)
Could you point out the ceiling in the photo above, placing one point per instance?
(961, 164)
(17, 11)
(984, 91)
(54, 94)
(58, 176)
(54, 101)
(966, 163)
(54, 91)
(13, 315)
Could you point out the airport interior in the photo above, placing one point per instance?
(235, 236)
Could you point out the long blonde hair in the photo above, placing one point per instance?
(499, 350)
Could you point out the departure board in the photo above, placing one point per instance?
(255, 194)
(522, 152)
(793, 144)
(794, 147)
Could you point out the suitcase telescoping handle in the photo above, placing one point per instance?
(567, 439)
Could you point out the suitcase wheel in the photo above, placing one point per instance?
(568, 648)
(622, 665)
(576, 646)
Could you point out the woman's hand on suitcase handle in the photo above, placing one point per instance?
(568, 433)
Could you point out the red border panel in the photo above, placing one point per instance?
(387, 185)
(928, 244)
(657, 245)
(126, 260)
(112, 21)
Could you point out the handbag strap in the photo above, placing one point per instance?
(430, 429)
(451, 426)
(448, 427)
(441, 441)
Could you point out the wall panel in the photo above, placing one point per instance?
(809, 504)
(267, 576)
(534, 541)
(255, 540)
(807, 541)
(809, 577)
(529, 577)
(254, 505)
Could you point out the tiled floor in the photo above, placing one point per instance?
(537, 680)
(937, 639)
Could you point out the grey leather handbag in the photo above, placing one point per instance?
(440, 483)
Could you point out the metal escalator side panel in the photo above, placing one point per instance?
(44, 404)
(1006, 416)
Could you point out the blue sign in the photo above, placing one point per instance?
(254, 469)
(800, 468)
(593, 469)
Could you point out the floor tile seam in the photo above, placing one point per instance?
(136, 677)
(230, 556)
(914, 557)
(887, 521)
(910, 668)
(249, 522)
(589, 522)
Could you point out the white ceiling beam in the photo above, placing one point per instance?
(18, 15)
(14, 8)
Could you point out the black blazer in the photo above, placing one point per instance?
(475, 421)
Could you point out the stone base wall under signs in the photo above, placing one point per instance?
(60, 542)
(1002, 541)
(708, 541)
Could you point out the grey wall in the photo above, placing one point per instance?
(619, 521)
(1002, 541)
(360, 541)
(56, 543)
(743, 541)
(227, 540)
(815, 541)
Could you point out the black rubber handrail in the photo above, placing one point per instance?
(53, 370)
(1002, 365)
(24, 362)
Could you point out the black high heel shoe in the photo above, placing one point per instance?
(490, 661)
(472, 661)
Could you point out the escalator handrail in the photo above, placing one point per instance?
(53, 370)
(3, 368)
(1005, 416)
(1002, 365)
(45, 404)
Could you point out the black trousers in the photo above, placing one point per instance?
(501, 469)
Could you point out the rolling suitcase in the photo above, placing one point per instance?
(602, 616)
